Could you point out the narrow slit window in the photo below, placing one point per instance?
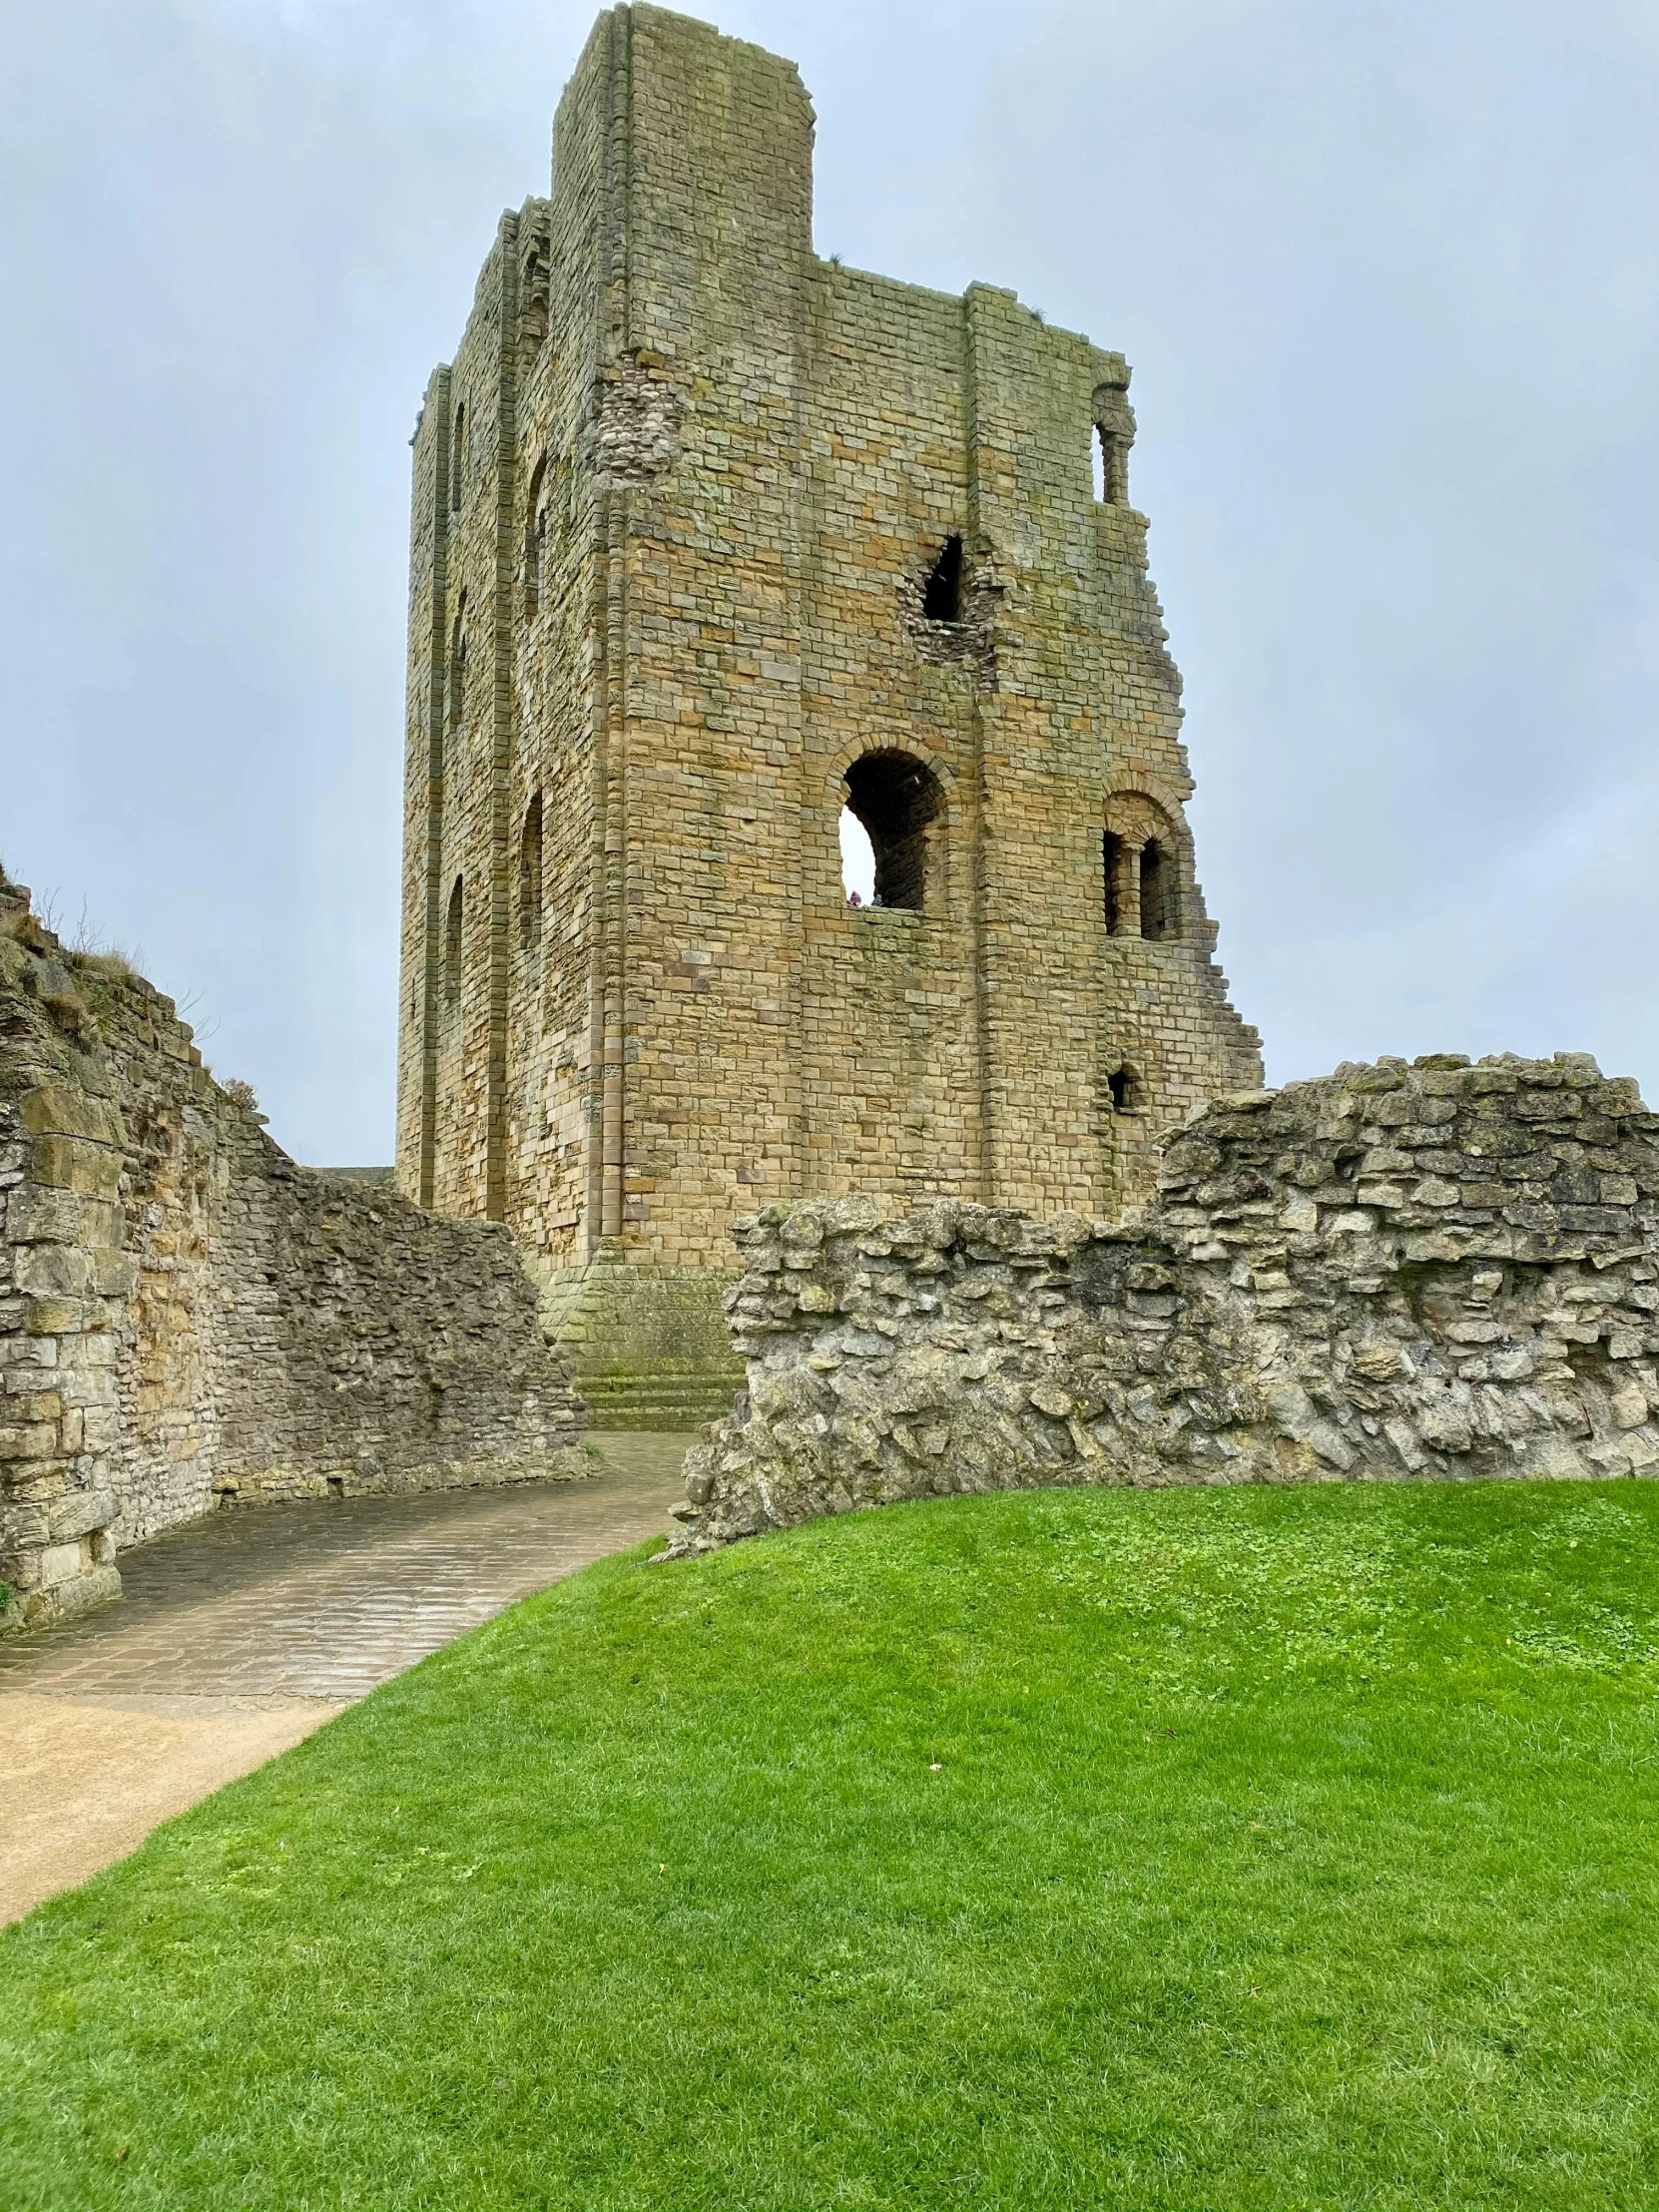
(535, 538)
(529, 879)
(456, 689)
(457, 458)
(452, 935)
(1111, 852)
(1097, 456)
(941, 595)
(455, 686)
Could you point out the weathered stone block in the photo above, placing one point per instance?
(70, 1164)
(79, 1514)
(1629, 1406)
(26, 1439)
(31, 1407)
(53, 1270)
(62, 1111)
(113, 1274)
(35, 1214)
(61, 1564)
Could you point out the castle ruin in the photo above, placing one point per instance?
(712, 539)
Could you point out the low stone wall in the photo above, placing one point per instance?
(1428, 1271)
(187, 1317)
(647, 1348)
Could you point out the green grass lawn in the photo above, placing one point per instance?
(1119, 1848)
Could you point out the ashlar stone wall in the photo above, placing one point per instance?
(188, 1317)
(1433, 1271)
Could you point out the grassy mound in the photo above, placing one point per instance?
(1253, 1847)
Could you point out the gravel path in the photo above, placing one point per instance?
(241, 1634)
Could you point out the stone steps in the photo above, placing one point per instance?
(657, 1402)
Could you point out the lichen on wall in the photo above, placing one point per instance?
(1433, 1270)
(188, 1316)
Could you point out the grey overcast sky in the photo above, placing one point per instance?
(1386, 273)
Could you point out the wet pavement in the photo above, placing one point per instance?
(240, 1634)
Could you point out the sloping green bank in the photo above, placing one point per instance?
(1249, 1848)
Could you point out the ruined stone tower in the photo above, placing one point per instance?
(712, 539)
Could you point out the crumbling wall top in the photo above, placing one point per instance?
(1436, 1267)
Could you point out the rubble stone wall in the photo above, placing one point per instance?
(1433, 1271)
(187, 1317)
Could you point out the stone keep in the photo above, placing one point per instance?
(712, 538)
(1436, 1271)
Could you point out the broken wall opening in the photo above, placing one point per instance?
(941, 595)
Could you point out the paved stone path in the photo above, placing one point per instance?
(241, 1634)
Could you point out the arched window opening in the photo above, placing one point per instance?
(1124, 1089)
(457, 457)
(941, 595)
(857, 861)
(529, 878)
(1097, 456)
(1111, 873)
(453, 946)
(895, 799)
(1157, 892)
